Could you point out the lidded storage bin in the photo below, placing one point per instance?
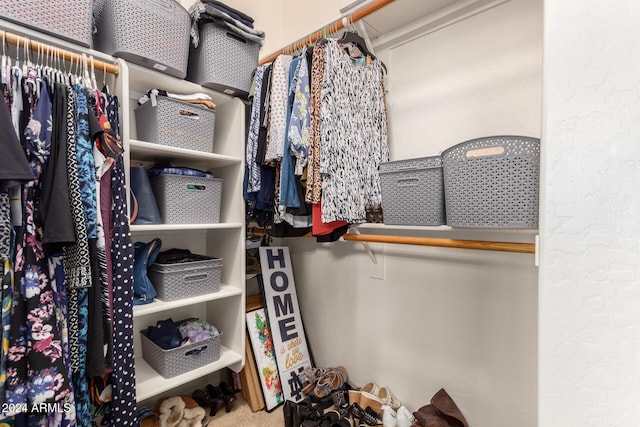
(71, 20)
(151, 33)
(179, 360)
(223, 61)
(177, 124)
(186, 279)
(492, 182)
(187, 199)
(413, 191)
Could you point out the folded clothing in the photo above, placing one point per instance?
(165, 334)
(195, 330)
(234, 13)
(178, 256)
(168, 334)
(206, 12)
(192, 98)
(167, 169)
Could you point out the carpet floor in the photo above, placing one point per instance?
(241, 415)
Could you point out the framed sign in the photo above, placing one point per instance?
(262, 346)
(281, 303)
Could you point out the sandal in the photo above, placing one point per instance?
(332, 380)
(309, 376)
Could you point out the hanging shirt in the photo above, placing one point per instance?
(299, 127)
(353, 136)
(278, 108)
(253, 169)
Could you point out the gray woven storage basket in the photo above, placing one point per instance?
(492, 182)
(180, 360)
(176, 124)
(187, 199)
(188, 279)
(71, 20)
(413, 191)
(223, 61)
(151, 33)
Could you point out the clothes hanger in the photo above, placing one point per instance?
(352, 37)
(105, 87)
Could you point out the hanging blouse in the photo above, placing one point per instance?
(278, 108)
(314, 182)
(253, 169)
(353, 136)
(299, 127)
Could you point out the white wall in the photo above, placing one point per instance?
(590, 266)
(462, 320)
(284, 21)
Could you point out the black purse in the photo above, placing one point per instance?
(144, 256)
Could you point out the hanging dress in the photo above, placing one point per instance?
(353, 136)
(36, 372)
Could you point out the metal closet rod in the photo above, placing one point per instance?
(329, 29)
(525, 248)
(35, 45)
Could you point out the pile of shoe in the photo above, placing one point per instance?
(176, 411)
(214, 397)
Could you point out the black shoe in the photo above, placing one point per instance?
(288, 411)
(216, 398)
(228, 395)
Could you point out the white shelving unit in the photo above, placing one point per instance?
(224, 309)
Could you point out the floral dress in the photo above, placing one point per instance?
(36, 372)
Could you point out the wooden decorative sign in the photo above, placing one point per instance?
(281, 302)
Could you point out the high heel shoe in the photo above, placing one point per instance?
(216, 398)
(227, 394)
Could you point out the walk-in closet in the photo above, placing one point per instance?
(405, 213)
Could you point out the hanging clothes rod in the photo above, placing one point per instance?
(35, 45)
(331, 28)
(525, 248)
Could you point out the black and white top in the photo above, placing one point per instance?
(353, 139)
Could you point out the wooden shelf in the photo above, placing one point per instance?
(150, 383)
(158, 306)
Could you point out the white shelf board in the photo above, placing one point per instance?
(158, 306)
(522, 235)
(152, 152)
(179, 227)
(150, 383)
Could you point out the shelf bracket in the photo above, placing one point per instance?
(367, 247)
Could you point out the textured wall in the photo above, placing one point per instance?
(590, 263)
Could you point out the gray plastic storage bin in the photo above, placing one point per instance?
(223, 61)
(413, 191)
(176, 124)
(187, 199)
(186, 279)
(492, 182)
(179, 360)
(71, 20)
(151, 33)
